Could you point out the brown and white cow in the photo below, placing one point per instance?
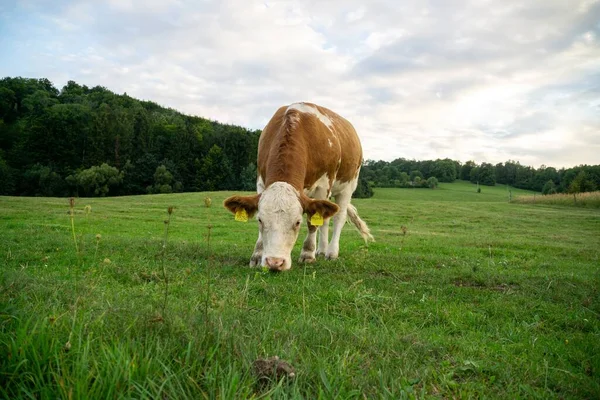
(306, 154)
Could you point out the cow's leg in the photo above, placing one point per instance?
(308, 248)
(342, 199)
(310, 243)
(256, 258)
(323, 238)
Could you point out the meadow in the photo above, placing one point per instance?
(462, 295)
(587, 199)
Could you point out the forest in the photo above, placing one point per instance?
(82, 141)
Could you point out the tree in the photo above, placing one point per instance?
(523, 177)
(432, 182)
(164, 181)
(549, 187)
(363, 189)
(501, 176)
(215, 172)
(582, 183)
(139, 175)
(7, 178)
(42, 180)
(99, 180)
(474, 175)
(8, 103)
(414, 175)
(542, 176)
(444, 170)
(248, 177)
(510, 172)
(483, 174)
(404, 179)
(465, 170)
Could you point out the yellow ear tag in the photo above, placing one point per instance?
(241, 215)
(316, 219)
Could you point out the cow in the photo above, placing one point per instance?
(306, 154)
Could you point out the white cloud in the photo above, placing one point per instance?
(462, 79)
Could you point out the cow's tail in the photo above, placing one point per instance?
(362, 227)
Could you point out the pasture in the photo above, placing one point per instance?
(587, 199)
(463, 295)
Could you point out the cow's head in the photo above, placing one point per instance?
(279, 210)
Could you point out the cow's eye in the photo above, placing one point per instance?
(260, 221)
(297, 223)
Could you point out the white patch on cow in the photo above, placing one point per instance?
(342, 191)
(344, 187)
(321, 185)
(309, 109)
(260, 185)
(279, 210)
(329, 141)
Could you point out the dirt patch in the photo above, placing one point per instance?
(272, 369)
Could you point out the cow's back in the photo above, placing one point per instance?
(304, 142)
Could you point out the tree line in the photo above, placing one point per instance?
(92, 142)
(411, 173)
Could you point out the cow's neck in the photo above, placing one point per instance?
(288, 164)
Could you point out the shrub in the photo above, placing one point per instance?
(98, 180)
(363, 190)
(432, 182)
(164, 182)
(549, 188)
(41, 180)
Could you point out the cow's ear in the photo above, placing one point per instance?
(237, 203)
(325, 208)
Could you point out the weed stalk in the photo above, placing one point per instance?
(72, 216)
(98, 237)
(303, 296)
(163, 256)
(67, 346)
(209, 272)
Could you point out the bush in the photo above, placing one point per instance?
(549, 188)
(164, 182)
(416, 176)
(432, 182)
(98, 180)
(41, 180)
(363, 189)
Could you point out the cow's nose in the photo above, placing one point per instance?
(275, 263)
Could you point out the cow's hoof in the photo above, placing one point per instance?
(321, 253)
(331, 256)
(307, 258)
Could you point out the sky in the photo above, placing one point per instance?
(482, 80)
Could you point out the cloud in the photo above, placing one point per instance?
(461, 79)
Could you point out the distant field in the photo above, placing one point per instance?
(588, 199)
(474, 298)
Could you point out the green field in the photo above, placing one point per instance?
(463, 295)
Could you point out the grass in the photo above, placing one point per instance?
(474, 297)
(588, 199)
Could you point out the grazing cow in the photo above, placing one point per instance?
(306, 154)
